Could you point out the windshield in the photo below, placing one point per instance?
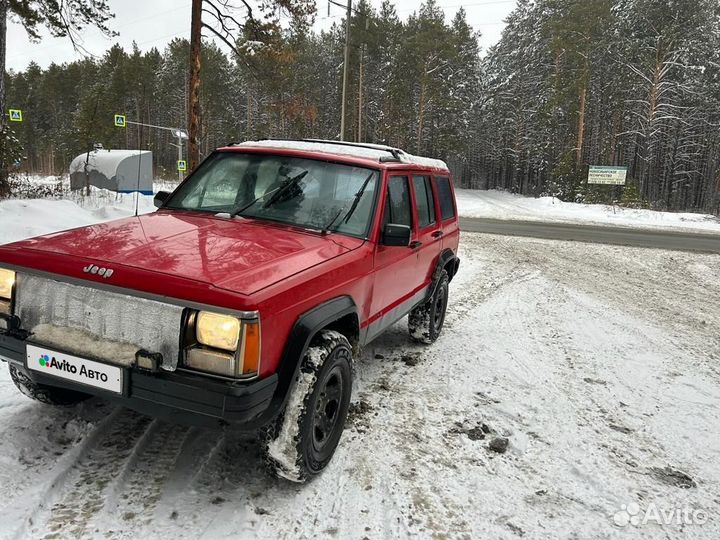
(304, 192)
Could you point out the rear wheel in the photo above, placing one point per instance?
(301, 442)
(426, 321)
(50, 395)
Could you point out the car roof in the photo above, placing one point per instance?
(364, 154)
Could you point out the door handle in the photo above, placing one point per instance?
(437, 234)
(416, 244)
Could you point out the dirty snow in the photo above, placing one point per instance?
(86, 344)
(284, 448)
(503, 205)
(599, 364)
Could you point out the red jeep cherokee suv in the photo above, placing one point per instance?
(242, 300)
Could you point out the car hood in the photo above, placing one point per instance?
(243, 256)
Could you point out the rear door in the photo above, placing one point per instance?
(447, 208)
(429, 237)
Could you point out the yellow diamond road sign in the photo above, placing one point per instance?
(182, 165)
(15, 115)
(120, 120)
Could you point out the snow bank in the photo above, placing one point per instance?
(21, 219)
(502, 205)
(25, 218)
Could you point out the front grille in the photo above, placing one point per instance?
(95, 316)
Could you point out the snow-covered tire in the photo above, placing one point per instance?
(426, 321)
(301, 442)
(50, 395)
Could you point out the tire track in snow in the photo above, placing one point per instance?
(96, 468)
(132, 502)
(42, 496)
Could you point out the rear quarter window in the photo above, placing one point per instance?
(424, 198)
(445, 197)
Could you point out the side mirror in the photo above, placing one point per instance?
(396, 235)
(160, 198)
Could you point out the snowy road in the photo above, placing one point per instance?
(501, 205)
(599, 363)
(602, 234)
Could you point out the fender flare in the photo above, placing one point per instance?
(446, 256)
(305, 328)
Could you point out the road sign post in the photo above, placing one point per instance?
(122, 122)
(608, 176)
(15, 115)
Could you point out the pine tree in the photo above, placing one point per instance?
(61, 19)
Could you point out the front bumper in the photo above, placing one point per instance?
(178, 397)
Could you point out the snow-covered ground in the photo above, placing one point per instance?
(503, 205)
(599, 364)
(24, 218)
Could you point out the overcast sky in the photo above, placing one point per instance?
(154, 23)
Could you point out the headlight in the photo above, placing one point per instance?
(7, 280)
(223, 345)
(218, 331)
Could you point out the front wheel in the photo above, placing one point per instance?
(50, 395)
(301, 442)
(426, 321)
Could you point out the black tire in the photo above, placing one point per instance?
(426, 321)
(302, 441)
(50, 395)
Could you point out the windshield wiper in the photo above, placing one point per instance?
(293, 180)
(241, 209)
(353, 206)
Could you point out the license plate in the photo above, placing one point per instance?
(73, 368)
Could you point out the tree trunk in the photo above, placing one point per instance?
(194, 98)
(249, 112)
(360, 97)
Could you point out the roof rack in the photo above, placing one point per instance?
(395, 152)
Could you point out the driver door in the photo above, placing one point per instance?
(395, 269)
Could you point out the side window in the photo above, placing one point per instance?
(397, 206)
(445, 196)
(424, 198)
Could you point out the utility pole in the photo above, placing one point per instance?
(179, 147)
(360, 94)
(345, 70)
(194, 96)
(4, 187)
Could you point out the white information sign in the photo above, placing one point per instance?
(601, 174)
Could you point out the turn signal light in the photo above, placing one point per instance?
(251, 348)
